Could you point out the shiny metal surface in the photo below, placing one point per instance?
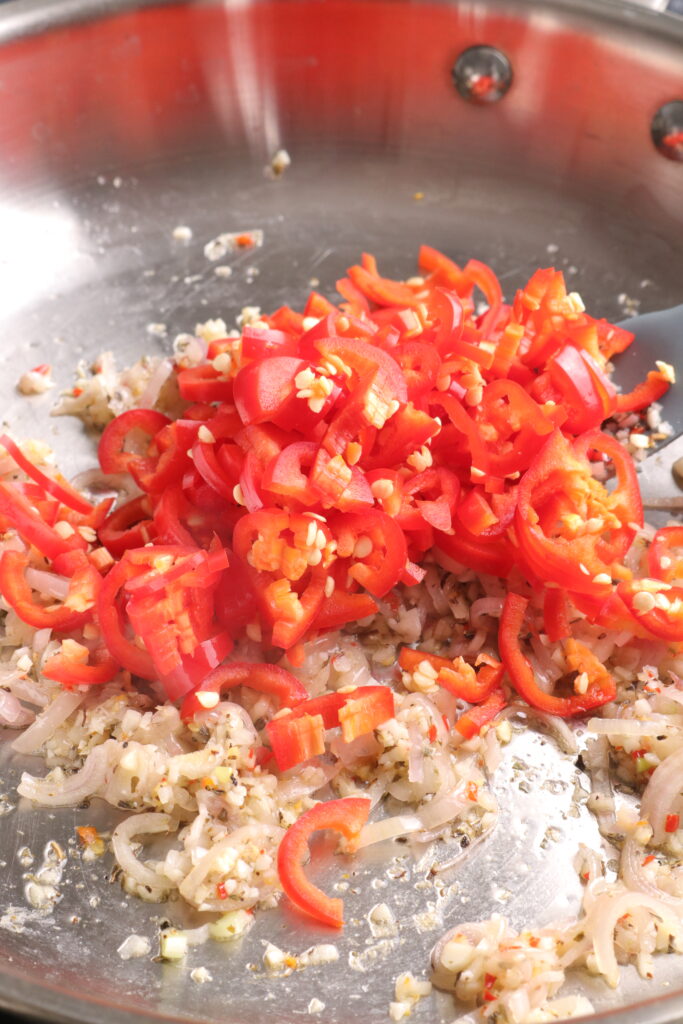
(120, 121)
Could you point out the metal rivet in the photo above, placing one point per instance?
(482, 74)
(667, 130)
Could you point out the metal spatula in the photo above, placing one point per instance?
(661, 474)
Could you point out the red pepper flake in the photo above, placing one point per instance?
(221, 892)
(87, 834)
(76, 392)
(648, 859)
(43, 368)
(635, 754)
(534, 941)
(472, 790)
(489, 982)
(432, 733)
(91, 839)
(672, 822)
(244, 241)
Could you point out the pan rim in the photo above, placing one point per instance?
(21, 19)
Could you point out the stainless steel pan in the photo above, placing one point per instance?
(120, 121)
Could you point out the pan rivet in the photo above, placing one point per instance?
(482, 74)
(667, 130)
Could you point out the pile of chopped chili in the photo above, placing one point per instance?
(320, 457)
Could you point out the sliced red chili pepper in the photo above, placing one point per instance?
(285, 319)
(381, 290)
(204, 384)
(342, 608)
(235, 602)
(407, 430)
(520, 424)
(28, 523)
(270, 679)
(59, 489)
(264, 388)
(208, 655)
(479, 275)
(344, 816)
(296, 739)
(173, 443)
(495, 557)
(472, 721)
(542, 299)
(206, 462)
(507, 347)
(601, 688)
(318, 305)
(171, 509)
(113, 626)
(446, 309)
(625, 501)
(285, 473)
(377, 380)
(571, 375)
(112, 453)
(656, 606)
(171, 589)
(377, 569)
(337, 484)
(259, 341)
(462, 428)
(476, 514)
(612, 339)
(291, 626)
(433, 498)
(654, 387)
(288, 558)
(577, 562)
(76, 610)
(189, 567)
(364, 711)
(556, 614)
(356, 303)
(128, 526)
(48, 508)
(455, 675)
(443, 270)
(329, 705)
(419, 364)
(70, 672)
